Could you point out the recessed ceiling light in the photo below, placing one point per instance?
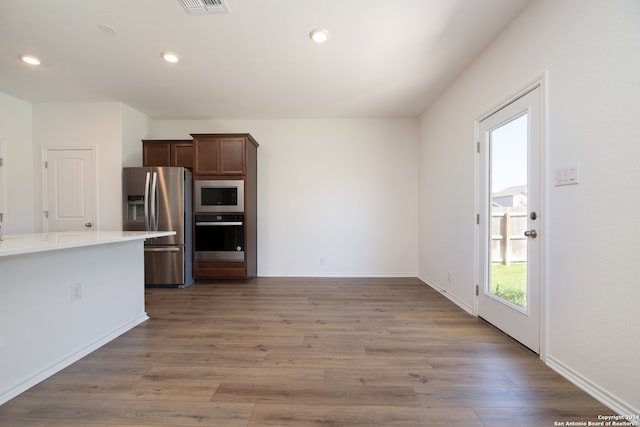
(170, 57)
(319, 35)
(30, 59)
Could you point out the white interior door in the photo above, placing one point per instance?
(70, 189)
(510, 201)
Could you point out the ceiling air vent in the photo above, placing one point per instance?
(198, 7)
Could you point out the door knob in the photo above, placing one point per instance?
(88, 224)
(531, 233)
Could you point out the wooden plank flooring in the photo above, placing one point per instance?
(305, 352)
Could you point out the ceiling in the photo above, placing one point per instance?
(383, 58)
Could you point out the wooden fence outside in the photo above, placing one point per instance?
(508, 242)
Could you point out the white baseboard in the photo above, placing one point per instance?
(603, 396)
(447, 295)
(338, 275)
(71, 358)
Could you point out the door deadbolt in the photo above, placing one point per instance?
(533, 215)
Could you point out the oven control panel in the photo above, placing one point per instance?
(219, 218)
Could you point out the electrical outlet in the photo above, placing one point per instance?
(322, 260)
(449, 276)
(76, 291)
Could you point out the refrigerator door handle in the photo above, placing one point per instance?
(147, 222)
(172, 249)
(154, 202)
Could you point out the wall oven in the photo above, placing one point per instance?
(219, 238)
(219, 195)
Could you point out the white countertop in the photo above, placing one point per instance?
(18, 244)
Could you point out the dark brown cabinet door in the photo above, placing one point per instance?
(216, 155)
(206, 156)
(232, 156)
(167, 153)
(156, 154)
(182, 155)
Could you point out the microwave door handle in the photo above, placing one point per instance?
(154, 202)
(147, 183)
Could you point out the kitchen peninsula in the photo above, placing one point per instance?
(62, 296)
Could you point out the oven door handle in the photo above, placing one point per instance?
(216, 224)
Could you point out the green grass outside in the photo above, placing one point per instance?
(509, 282)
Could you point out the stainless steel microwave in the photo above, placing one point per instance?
(218, 195)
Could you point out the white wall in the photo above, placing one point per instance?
(342, 190)
(15, 130)
(590, 50)
(135, 127)
(96, 125)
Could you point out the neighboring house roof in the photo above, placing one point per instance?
(510, 197)
(511, 191)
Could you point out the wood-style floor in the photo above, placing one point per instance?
(305, 352)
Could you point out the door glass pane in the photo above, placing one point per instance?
(508, 169)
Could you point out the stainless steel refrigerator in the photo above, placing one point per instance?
(159, 199)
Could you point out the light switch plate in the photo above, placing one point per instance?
(566, 175)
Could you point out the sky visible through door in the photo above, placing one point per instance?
(509, 143)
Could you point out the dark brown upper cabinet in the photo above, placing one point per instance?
(221, 154)
(167, 153)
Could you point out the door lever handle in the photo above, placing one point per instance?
(531, 233)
